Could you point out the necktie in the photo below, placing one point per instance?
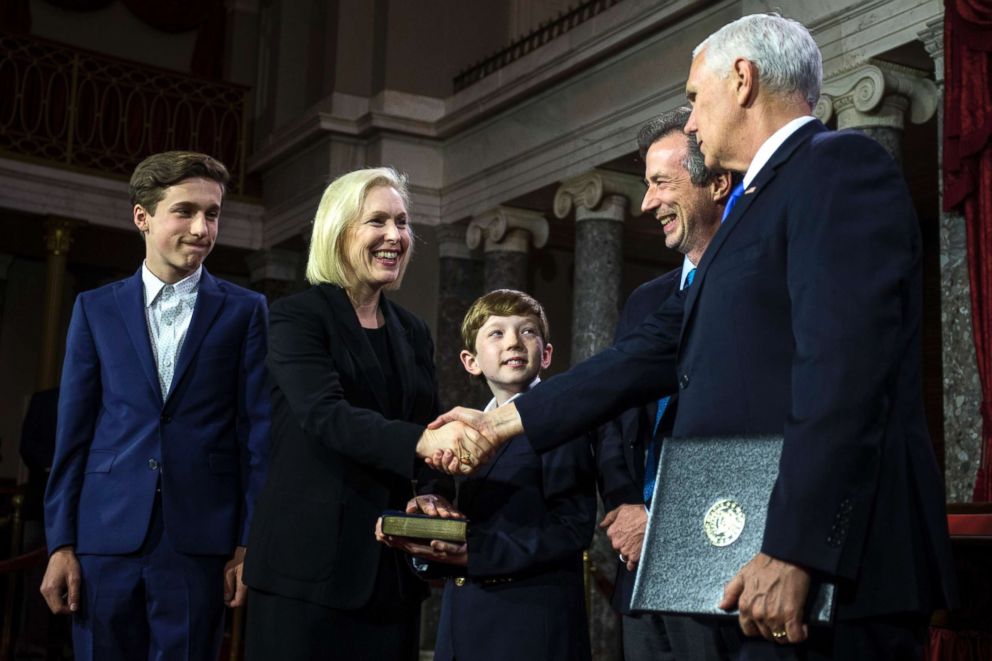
(654, 447)
(734, 196)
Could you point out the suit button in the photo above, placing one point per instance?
(166, 418)
(684, 381)
(153, 464)
(460, 581)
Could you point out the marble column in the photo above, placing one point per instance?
(876, 98)
(275, 272)
(58, 238)
(600, 200)
(962, 389)
(506, 235)
(460, 282)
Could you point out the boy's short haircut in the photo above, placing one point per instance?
(501, 303)
(159, 171)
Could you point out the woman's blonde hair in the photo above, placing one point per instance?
(340, 207)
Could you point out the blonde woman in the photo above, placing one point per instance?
(352, 388)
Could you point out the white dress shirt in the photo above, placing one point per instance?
(687, 266)
(492, 402)
(771, 145)
(168, 310)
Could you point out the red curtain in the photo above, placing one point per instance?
(969, 645)
(968, 180)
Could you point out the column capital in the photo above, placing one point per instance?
(877, 93)
(273, 264)
(932, 37)
(452, 240)
(58, 234)
(507, 229)
(588, 190)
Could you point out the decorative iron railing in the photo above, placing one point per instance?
(533, 40)
(95, 112)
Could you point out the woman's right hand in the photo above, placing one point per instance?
(433, 505)
(462, 446)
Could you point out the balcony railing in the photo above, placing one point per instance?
(98, 113)
(532, 41)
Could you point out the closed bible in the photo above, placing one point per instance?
(707, 520)
(401, 524)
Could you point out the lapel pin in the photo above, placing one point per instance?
(750, 190)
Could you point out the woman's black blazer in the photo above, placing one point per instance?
(339, 455)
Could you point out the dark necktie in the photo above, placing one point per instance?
(734, 196)
(654, 445)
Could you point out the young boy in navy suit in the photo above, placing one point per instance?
(530, 516)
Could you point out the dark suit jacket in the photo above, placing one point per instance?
(117, 440)
(622, 442)
(340, 456)
(531, 516)
(803, 319)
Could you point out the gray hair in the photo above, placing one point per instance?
(674, 121)
(783, 50)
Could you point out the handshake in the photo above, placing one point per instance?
(461, 440)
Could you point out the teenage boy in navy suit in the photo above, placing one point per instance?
(162, 435)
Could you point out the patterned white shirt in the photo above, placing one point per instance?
(168, 310)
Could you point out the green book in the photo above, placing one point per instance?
(401, 524)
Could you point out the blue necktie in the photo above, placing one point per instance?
(734, 196)
(654, 447)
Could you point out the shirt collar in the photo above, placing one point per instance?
(492, 402)
(771, 145)
(153, 285)
(687, 266)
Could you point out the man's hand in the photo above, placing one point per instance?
(770, 595)
(63, 582)
(437, 551)
(496, 428)
(625, 527)
(453, 448)
(234, 589)
(433, 505)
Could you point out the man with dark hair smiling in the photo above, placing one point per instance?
(162, 435)
(688, 200)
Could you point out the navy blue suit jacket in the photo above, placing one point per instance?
(622, 442)
(531, 516)
(207, 441)
(803, 320)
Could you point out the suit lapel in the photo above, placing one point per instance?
(209, 301)
(131, 302)
(479, 480)
(751, 193)
(355, 342)
(399, 343)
